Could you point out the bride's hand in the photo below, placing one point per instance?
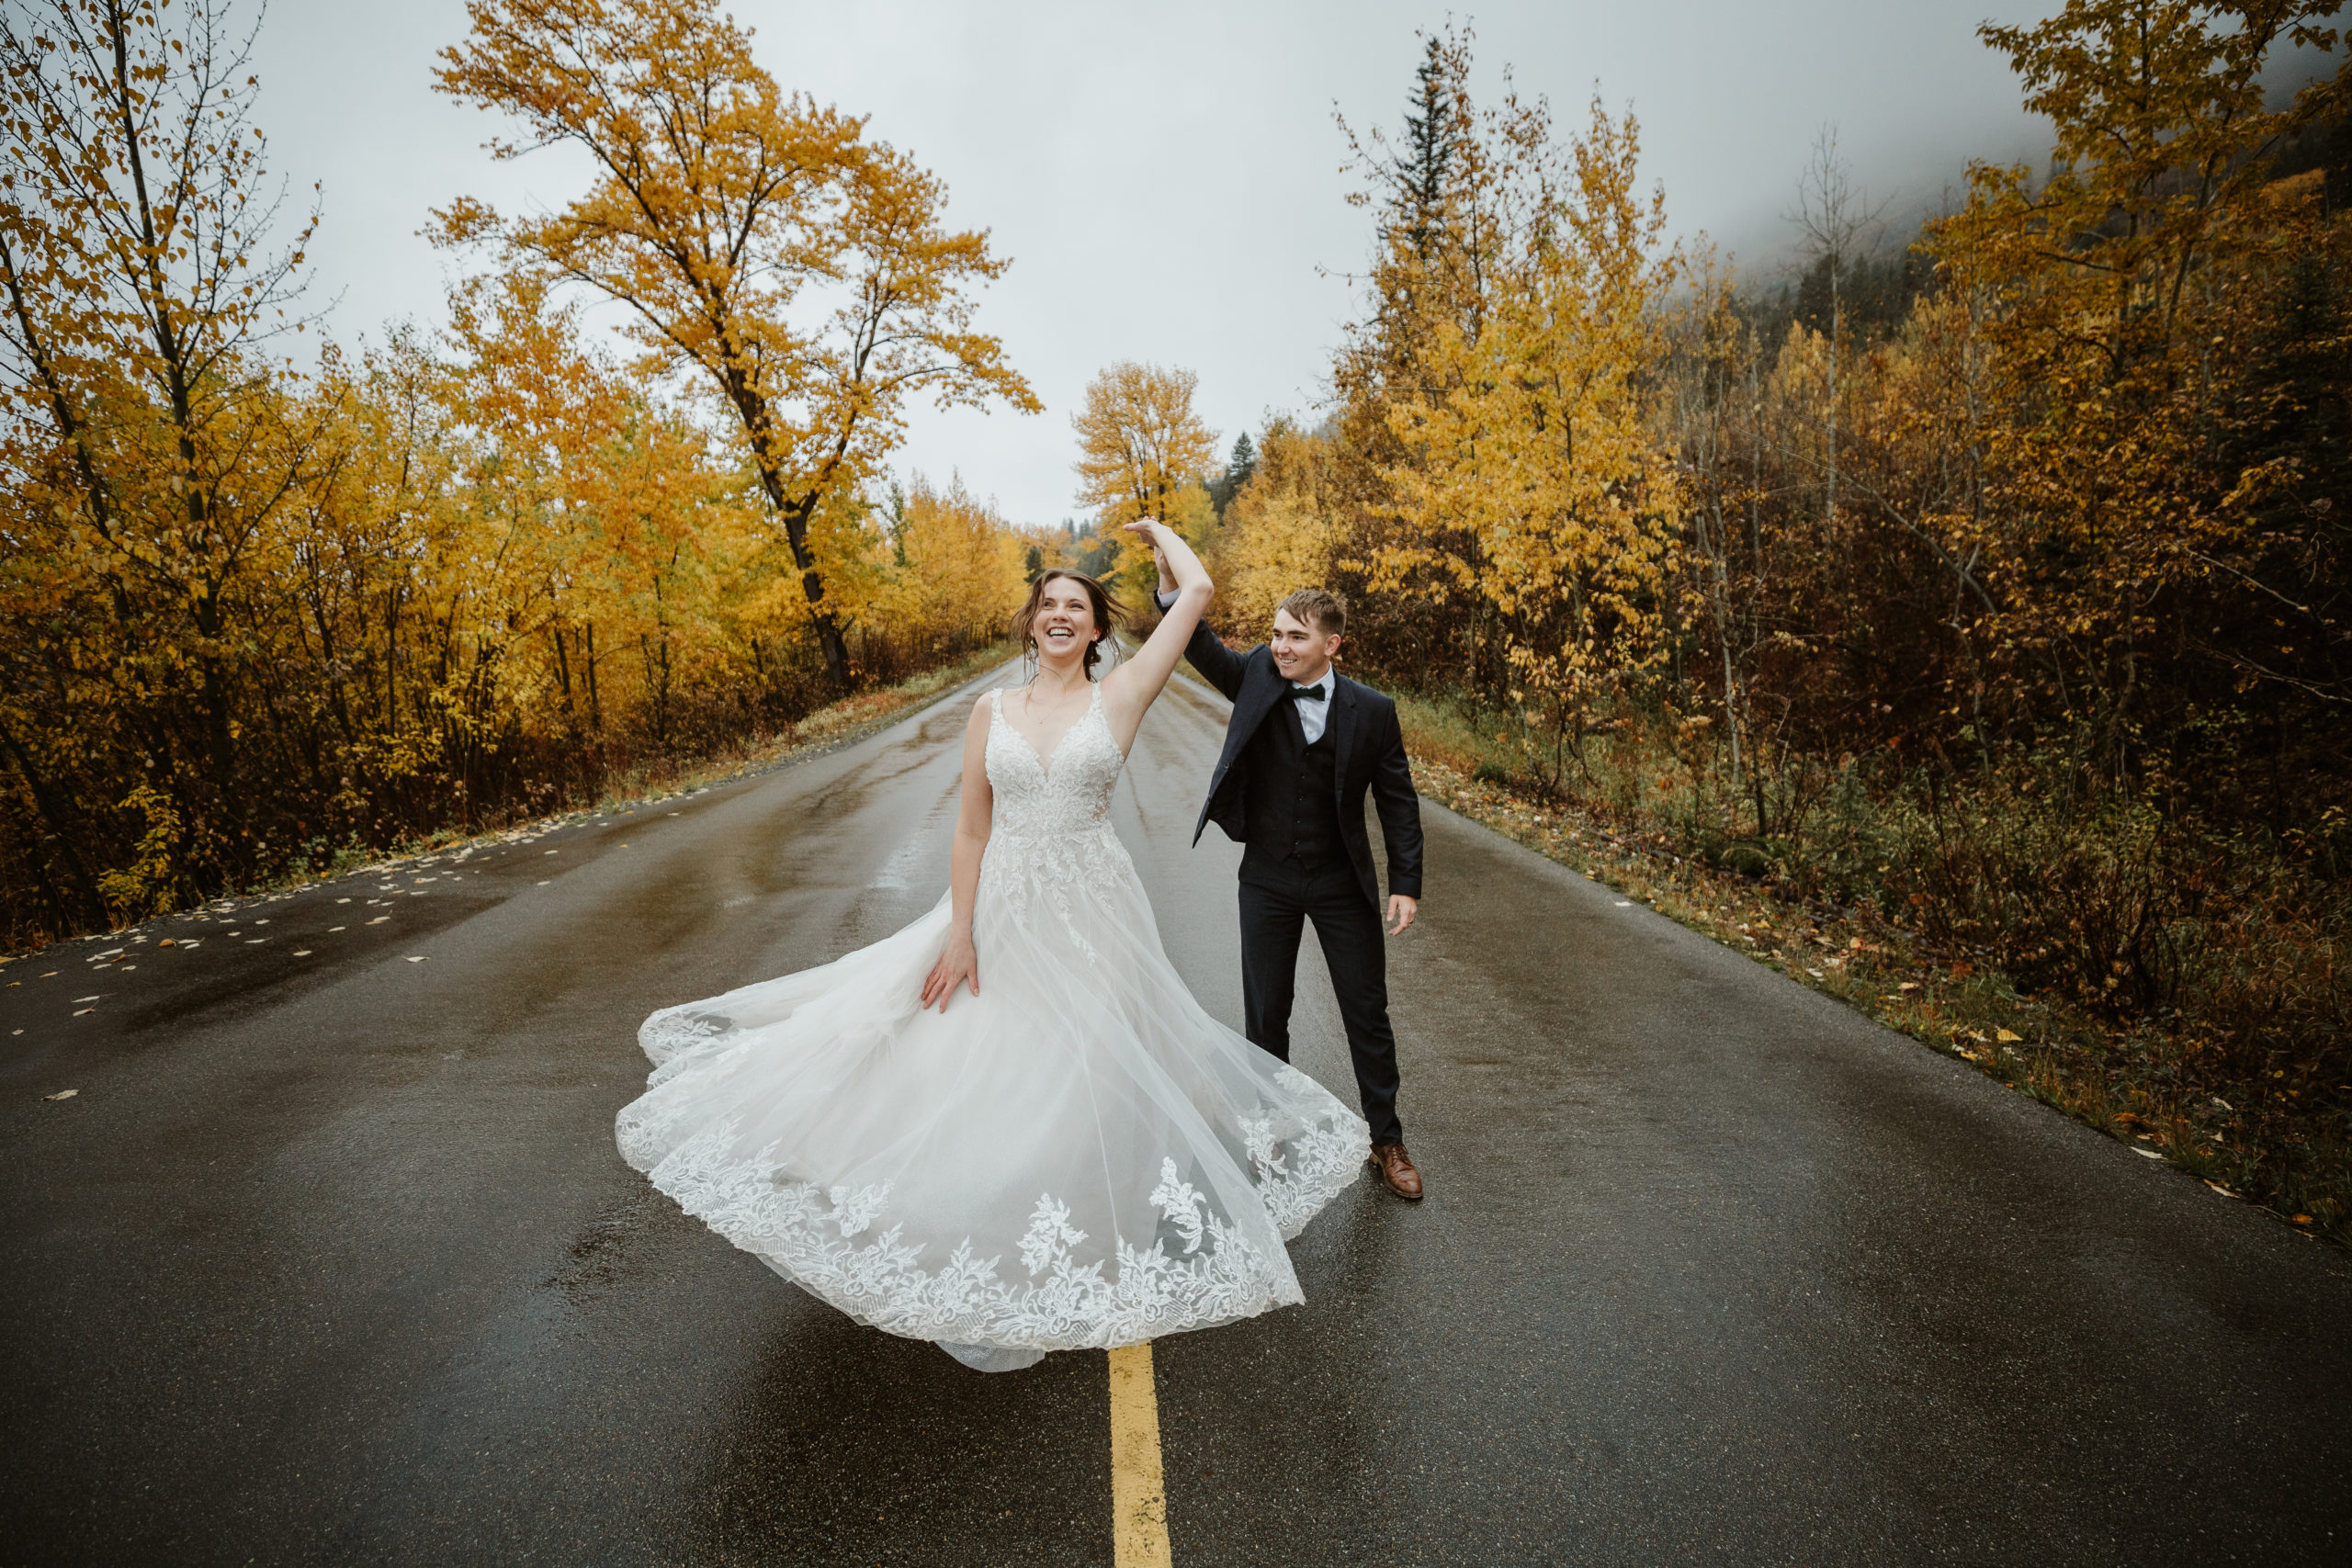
(1157, 533)
(959, 965)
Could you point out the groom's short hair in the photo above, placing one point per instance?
(1319, 608)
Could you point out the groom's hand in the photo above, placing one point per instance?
(1401, 911)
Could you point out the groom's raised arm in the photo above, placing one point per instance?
(1206, 652)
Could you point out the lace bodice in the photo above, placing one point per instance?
(1068, 793)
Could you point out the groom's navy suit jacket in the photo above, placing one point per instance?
(1368, 754)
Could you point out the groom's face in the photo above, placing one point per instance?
(1300, 652)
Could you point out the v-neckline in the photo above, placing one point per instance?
(1045, 761)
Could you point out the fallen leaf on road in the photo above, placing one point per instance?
(167, 941)
(2005, 1038)
(301, 953)
(62, 1094)
(2299, 1219)
(379, 919)
(85, 1010)
(89, 999)
(417, 958)
(2147, 1154)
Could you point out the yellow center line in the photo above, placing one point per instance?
(1138, 1498)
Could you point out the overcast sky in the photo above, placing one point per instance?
(1167, 179)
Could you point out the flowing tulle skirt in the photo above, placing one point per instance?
(1079, 1157)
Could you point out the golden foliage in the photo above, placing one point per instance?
(2107, 308)
(1528, 482)
(253, 621)
(797, 272)
(1281, 531)
(1140, 447)
(962, 566)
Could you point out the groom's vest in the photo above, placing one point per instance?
(1290, 802)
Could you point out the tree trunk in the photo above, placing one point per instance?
(92, 908)
(829, 637)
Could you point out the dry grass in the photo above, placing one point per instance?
(2182, 998)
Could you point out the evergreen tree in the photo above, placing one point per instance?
(1428, 150)
(893, 513)
(1224, 487)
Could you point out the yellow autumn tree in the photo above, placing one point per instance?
(963, 572)
(763, 245)
(1529, 479)
(145, 440)
(1139, 445)
(2105, 303)
(1280, 531)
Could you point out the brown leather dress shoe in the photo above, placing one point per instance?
(1397, 1170)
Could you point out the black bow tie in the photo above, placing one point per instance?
(1307, 693)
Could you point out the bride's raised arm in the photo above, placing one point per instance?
(1130, 689)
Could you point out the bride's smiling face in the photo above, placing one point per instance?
(1063, 623)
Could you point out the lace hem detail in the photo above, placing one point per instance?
(673, 1032)
(809, 1235)
(1297, 1175)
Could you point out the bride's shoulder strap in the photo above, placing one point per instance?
(996, 700)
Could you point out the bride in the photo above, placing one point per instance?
(1008, 1128)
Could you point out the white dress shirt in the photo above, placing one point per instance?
(1312, 716)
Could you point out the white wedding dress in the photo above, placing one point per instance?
(1079, 1157)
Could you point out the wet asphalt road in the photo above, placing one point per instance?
(331, 1258)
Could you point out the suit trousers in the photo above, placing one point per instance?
(1277, 898)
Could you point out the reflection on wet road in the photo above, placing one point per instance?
(330, 1257)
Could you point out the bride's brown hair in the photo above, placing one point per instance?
(1109, 613)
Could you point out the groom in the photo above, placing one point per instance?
(1303, 745)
